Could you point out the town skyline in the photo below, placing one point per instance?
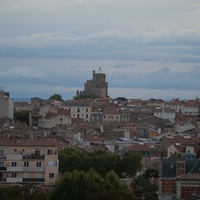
(147, 49)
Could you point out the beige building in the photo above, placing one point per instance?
(79, 109)
(111, 114)
(39, 111)
(28, 161)
(54, 119)
(6, 105)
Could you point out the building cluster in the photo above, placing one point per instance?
(166, 133)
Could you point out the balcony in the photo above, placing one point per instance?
(14, 169)
(14, 157)
(2, 168)
(33, 180)
(13, 180)
(2, 157)
(33, 169)
(33, 156)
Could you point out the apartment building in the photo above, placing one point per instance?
(32, 161)
(39, 110)
(111, 114)
(165, 113)
(51, 120)
(189, 107)
(79, 109)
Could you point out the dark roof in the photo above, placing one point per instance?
(169, 166)
(77, 103)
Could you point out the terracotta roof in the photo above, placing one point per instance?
(191, 103)
(138, 147)
(50, 115)
(27, 142)
(111, 110)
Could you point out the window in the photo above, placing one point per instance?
(1, 152)
(116, 147)
(49, 152)
(86, 109)
(26, 164)
(37, 152)
(14, 175)
(14, 164)
(1, 164)
(38, 164)
(51, 175)
(51, 163)
(86, 115)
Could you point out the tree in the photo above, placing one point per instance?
(22, 116)
(87, 185)
(71, 159)
(114, 195)
(131, 163)
(143, 189)
(175, 154)
(121, 99)
(23, 192)
(151, 173)
(57, 97)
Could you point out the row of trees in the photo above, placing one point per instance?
(82, 185)
(126, 165)
(23, 192)
(97, 176)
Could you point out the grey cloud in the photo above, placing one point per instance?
(105, 45)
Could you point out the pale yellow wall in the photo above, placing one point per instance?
(14, 154)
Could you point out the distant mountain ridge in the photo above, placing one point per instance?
(17, 99)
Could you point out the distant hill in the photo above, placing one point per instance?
(26, 99)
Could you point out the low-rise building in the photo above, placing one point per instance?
(79, 109)
(32, 161)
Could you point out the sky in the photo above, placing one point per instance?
(147, 49)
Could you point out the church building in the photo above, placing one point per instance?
(97, 86)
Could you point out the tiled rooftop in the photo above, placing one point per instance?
(28, 142)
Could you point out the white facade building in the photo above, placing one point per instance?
(165, 113)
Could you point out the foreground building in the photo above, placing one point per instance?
(180, 178)
(28, 161)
